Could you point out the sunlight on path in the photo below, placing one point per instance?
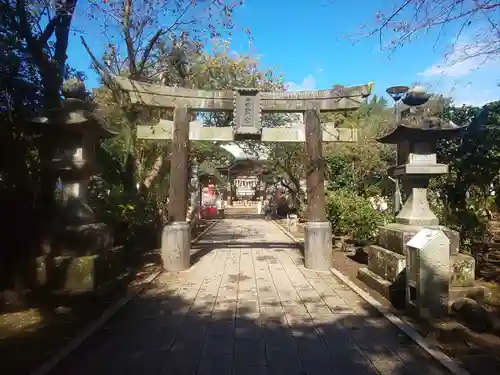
(248, 306)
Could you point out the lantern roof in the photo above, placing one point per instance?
(423, 129)
(77, 112)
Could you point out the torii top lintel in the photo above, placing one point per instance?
(336, 99)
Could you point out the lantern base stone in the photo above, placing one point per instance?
(394, 236)
(80, 274)
(82, 240)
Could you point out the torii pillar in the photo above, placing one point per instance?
(176, 236)
(318, 230)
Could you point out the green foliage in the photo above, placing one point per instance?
(134, 217)
(474, 165)
(475, 158)
(352, 215)
(361, 166)
(338, 173)
(20, 166)
(210, 153)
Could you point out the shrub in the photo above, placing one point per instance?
(134, 217)
(353, 216)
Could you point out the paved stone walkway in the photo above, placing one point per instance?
(248, 306)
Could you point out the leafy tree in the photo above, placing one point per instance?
(362, 165)
(148, 30)
(43, 31)
(19, 161)
(474, 166)
(474, 159)
(34, 39)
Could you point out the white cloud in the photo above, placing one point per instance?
(475, 89)
(475, 95)
(465, 76)
(450, 70)
(464, 59)
(308, 83)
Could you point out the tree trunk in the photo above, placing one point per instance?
(153, 173)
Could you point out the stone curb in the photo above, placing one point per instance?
(437, 354)
(93, 327)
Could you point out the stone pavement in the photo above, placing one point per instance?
(248, 306)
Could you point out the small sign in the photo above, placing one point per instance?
(422, 238)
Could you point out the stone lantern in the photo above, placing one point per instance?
(78, 130)
(415, 262)
(416, 137)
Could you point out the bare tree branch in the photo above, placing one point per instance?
(126, 29)
(154, 171)
(102, 71)
(160, 33)
(25, 29)
(411, 18)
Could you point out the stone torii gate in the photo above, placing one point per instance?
(247, 104)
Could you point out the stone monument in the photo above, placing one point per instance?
(78, 240)
(416, 136)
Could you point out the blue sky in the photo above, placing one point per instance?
(307, 42)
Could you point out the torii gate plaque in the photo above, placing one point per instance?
(247, 104)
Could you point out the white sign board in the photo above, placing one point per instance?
(422, 238)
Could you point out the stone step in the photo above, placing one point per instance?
(375, 282)
(385, 263)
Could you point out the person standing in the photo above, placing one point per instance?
(267, 209)
(218, 205)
